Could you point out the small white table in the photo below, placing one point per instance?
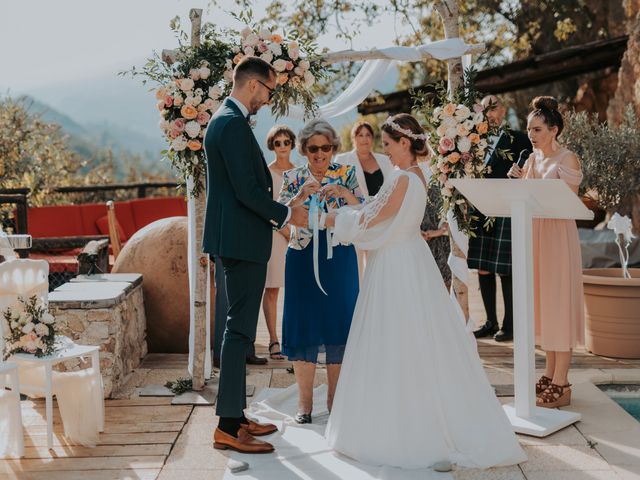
(11, 370)
(75, 351)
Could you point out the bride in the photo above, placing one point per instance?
(412, 391)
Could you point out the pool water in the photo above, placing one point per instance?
(625, 395)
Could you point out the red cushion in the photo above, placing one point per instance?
(103, 226)
(90, 213)
(55, 221)
(147, 210)
(125, 218)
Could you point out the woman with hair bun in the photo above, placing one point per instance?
(557, 262)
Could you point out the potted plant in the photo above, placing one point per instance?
(610, 157)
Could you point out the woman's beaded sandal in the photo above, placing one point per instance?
(542, 384)
(275, 354)
(555, 396)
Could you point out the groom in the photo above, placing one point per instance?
(238, 226)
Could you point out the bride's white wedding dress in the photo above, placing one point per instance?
(412, 390)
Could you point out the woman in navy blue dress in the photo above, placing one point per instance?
(312, 321)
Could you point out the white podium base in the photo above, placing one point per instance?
(543, 422)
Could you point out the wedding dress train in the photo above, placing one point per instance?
(412, 390)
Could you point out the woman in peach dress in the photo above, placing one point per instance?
(557, 263)
(280, 140)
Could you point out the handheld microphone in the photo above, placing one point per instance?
(522, 159)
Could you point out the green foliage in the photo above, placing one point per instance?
(610, 157)
(180, 386)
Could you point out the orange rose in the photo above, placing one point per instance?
(449, 109)
(275, 38)
(194, 145)
(282, 78)
(237, 58)
(453, 157)
(475, 138)
(482, 128)
(189, 112)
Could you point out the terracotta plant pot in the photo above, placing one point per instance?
(612, 312)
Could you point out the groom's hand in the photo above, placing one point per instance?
(299, 216)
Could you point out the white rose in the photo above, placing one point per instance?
(186, 84)
(462, 111)
(267, 56)
(450, 132)
(197, 100)
(249, 51)
(227, 75)
(441, 130)
(464, 144)
(164, 125)
(245, 32)
(194, 74)
(468, 125)
(478, 118)
(48, 318)
(179, 143)
(215, 92)
(449, 122)
(192, 128)
(28, 327)
(280, 65)
(42, 330)
(309, 79)
(298, 71)
(275, 49)
(264, 34)
(234, 49)
(304, 64)
(482, 144)
(251, 41)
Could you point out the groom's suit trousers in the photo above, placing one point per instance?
(245, 283)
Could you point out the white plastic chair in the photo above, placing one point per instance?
(10, 412)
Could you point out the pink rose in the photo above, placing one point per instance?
(174, 133)
(441, 150)
(466, 157)
(203, 118)
(442, 178)
(168, 101)
(447, 144)
(477, 107)
(178, 124)
(262, 48)
(294, 53)
(290, 66)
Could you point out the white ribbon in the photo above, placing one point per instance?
(314, 223)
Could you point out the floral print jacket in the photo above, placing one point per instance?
(294, 179)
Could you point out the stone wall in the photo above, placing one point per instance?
(628, 91)
(106, 311)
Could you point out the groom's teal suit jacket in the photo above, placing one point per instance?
(241, 213)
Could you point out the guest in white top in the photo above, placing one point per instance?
(371, 168)
(280, 140)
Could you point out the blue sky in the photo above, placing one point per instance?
(45, 42)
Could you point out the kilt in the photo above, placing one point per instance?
(490, 250)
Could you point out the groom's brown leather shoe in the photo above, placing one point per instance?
(258, 429)
(245, 443)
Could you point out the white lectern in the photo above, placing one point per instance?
(523, 200)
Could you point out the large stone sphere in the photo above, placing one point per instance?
(159, 252)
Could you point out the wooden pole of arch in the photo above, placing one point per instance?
(200, 275)
(449, 13)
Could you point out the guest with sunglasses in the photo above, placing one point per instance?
(280, 140)
(312, 320)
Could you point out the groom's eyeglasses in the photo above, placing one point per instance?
(284, 143)
(272, 91)
(315, 148)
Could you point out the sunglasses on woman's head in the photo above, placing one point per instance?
(284, 143)
(315, 148)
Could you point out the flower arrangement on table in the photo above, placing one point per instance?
(190, 90)
(459, 133)
(29, 328)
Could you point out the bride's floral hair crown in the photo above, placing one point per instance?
(405, 131)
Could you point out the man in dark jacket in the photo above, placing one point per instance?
(490, 250)
(239, 221)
